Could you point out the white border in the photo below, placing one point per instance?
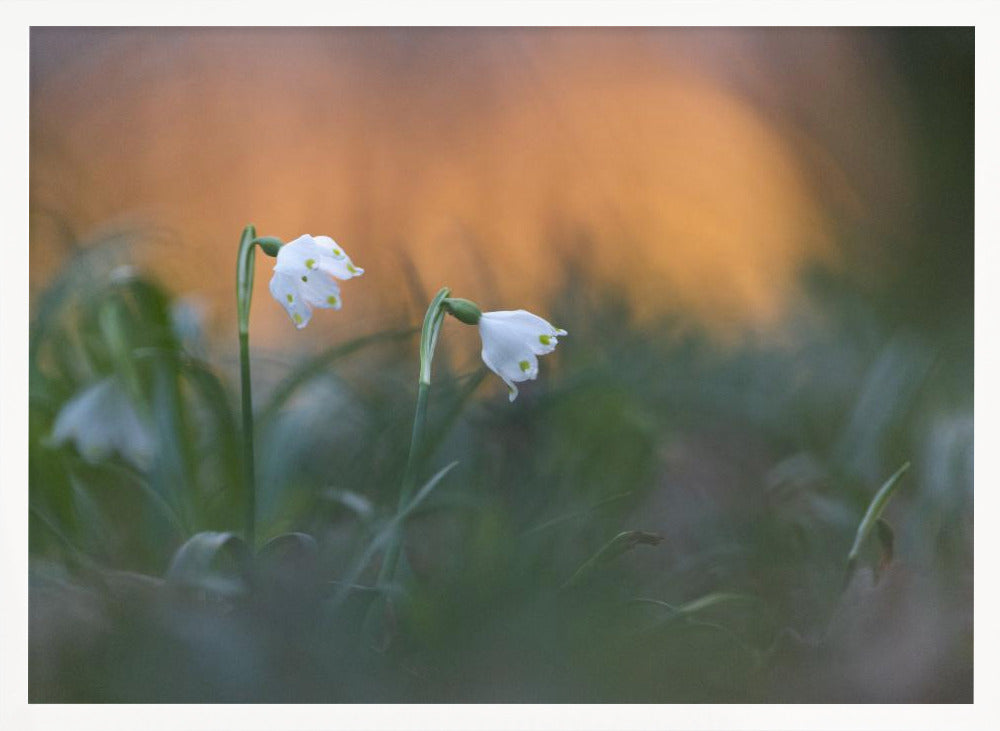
(15, 19)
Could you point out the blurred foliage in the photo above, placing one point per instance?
(660, 517)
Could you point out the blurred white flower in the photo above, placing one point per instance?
(512, 342)
(123, 273)
(188, 314)
(101, 420)
(305, 276)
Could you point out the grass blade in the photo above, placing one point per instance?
(206, 562)
(870, 519)
(383, 537)
(624, 541)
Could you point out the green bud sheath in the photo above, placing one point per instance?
(463, 310)
(268, 244)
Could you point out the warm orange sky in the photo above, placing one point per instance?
(698, 169)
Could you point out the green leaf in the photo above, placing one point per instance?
(624, 541)
(131, 477)
(887, 541)
(75, 279)
(871, 518)
(424, 492)
(210, 563)
(383, 537)
(686, 613)
(72, 551)
(700, 604)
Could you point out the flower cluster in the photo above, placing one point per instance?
(306, 274)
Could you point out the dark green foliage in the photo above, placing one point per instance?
(728, 479)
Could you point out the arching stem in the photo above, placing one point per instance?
(244, 292)
(428, 342)
(390, 562)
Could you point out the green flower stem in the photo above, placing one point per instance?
(428, 342)
(244, 291)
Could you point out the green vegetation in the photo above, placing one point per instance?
(660, 517)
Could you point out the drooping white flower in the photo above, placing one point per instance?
(306, 274)
(101, 420)
(512, 342)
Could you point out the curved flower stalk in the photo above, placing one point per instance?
(101, 420)
(306, 274)
(512, 342)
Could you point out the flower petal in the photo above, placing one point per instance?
(512, 342)
(541, 336)
(334, 259)
(299, 256)
(319, 289)
(305, 276)
(507, 352)
(134, 439)
(286, 289)
(101, 420)
(76, 423)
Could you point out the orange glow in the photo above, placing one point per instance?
(485, 156)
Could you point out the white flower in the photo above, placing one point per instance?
(101, 420)
(306, 273)
(512, 342)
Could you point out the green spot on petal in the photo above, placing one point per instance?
(305, 278)
(352, 269)
(331, 300)
(298, 318)
(289, 298)
(337, 252)
(544, 339)
(310, 263)
(525, 366)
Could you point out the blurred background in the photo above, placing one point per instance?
(760, 241)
